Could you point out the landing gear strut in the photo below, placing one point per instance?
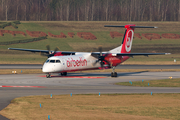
(63, 73)
(113, 73)
(48, 75)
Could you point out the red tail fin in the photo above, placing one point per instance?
(127, 40)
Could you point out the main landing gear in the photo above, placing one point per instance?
(113, 73)
(48, 75)
(63, 73)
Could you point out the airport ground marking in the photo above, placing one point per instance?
(76, 77)
(22, 86)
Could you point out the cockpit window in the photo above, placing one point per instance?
(52, 61)
(57, 61)
(47, 61)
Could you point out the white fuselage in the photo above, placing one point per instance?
(69, 63)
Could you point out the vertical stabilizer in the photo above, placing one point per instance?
(127, 41)
(128, 38)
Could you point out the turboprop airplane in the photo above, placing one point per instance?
(63, 62)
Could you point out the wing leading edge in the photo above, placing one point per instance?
(42, 51)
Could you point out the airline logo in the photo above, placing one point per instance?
(129, 40)
(76, 63)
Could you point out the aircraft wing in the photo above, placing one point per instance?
(42, 51)
(138, 54)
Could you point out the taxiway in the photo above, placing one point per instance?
(78, 83)
(122, 66)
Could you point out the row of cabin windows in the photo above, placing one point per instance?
(53, 61)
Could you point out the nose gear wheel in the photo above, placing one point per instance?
(48, 75)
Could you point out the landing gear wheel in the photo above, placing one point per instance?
(114, 74)
(64, 74)
(48, 75)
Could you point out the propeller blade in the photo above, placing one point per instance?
(51, 53)
(56, 49)
(100, 50)
(108, 62)
(101, 58)
(102, 64)
(95, 62)
(48, 48)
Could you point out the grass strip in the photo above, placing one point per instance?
(113, 106)
(171, 82)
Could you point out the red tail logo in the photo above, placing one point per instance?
(129, 39)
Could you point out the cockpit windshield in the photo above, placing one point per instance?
(53, 61)
(57, 61)
(47, 61)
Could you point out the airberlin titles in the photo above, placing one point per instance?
(76, 62)
(89, 35)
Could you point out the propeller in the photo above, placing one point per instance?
(101, 58)
(48, 48)
(51, 53)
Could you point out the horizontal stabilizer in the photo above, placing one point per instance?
(130, 26)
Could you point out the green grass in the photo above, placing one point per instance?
(103, 38)
(175, 82)
(113, 106)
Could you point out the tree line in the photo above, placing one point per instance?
(90, 10)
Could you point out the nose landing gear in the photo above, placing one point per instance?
(48, 75)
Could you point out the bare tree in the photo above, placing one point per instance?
(7, 7)
(67, 10)
(107, 6)
(179, 11)
(17, 9)
(150, 10)
(2, 2)
(106, 10)
(92, 10)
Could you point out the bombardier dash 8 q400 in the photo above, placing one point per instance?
(63, 62)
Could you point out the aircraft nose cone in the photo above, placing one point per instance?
(49, 68)
(45, 68)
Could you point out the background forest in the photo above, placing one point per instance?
(90, 10)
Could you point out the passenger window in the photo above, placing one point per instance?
(57, 61)
(52, 61)
(47, 61)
